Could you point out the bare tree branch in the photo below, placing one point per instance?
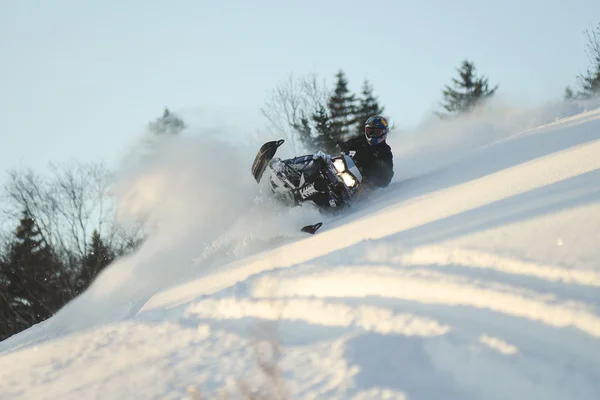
(68, 205)
(292, 100)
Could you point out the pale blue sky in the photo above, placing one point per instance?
(80, 79)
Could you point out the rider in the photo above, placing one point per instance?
(371, 153)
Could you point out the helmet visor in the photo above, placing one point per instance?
(375, 132)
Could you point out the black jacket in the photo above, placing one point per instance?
(375, 163)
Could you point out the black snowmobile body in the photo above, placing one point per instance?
(328, 183)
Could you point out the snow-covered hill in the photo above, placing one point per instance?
(475, 275)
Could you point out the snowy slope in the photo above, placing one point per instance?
(475, 278)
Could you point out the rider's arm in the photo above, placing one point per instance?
(348, 145)
(382, 172)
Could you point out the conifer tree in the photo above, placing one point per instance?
(168, 124)
(342, 108)
(569, 95)
(468, 91)
(368, 106)
(590, 81)
(33, 278)
(326, 138)
(315, 130)
(304, 132)
(10, 322)
(97, 258)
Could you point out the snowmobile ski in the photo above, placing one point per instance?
(263, 157)
(312, 229)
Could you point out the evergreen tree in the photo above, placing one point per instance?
(315, 131)
(469, 90)
(305, 133)
(9, 320)
(96, 259)
(590, 81)
(32, 277)
(368, 106)
(569, 95)
(168, 124)
(342, 109)
(326, 139)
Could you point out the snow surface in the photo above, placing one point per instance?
(475, 275)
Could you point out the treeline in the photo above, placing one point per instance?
(63, 235)
(310, 114)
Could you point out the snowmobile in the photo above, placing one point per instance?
(325, 181)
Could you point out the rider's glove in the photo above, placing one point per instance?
(343, 147)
